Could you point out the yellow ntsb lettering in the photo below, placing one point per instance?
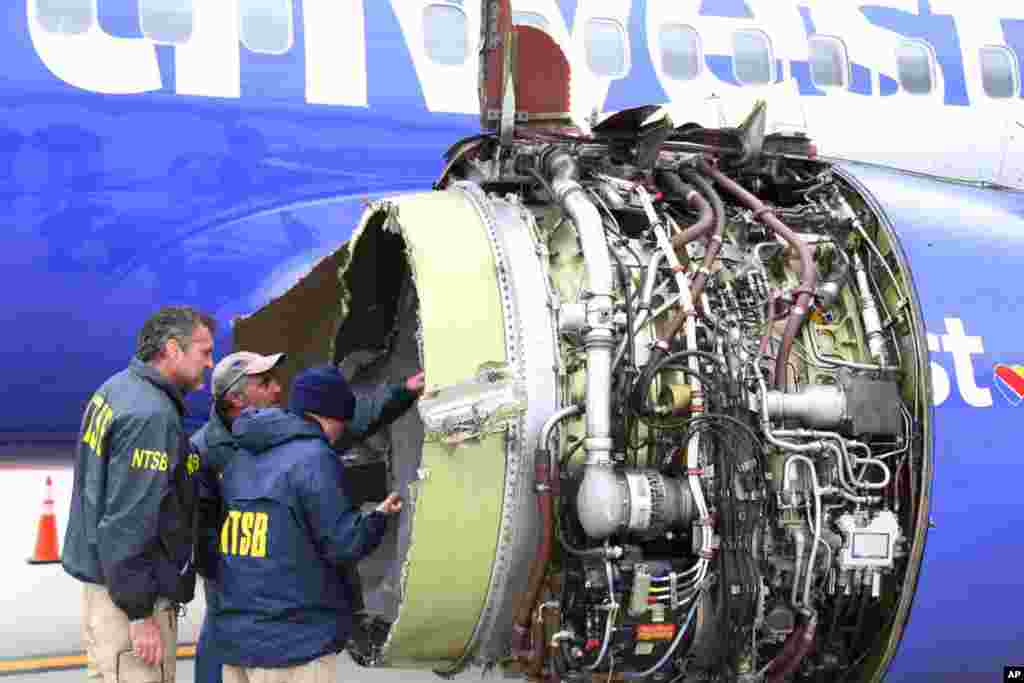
(244, 534)
(143, 459)
(98, 416)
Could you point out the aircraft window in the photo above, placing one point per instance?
(266, 26)
(999, 74)
(66, 16)
(830, 66)
(445, 35)
(752, 52)
(680, 52)
(531, 19)
(605, 41)
(166, 21)
(914, 61)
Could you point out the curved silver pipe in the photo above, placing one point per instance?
(870, 500)
(870, 459)
(549, 426)
(886, 475)
(832, 440)
(599, 339)
(847, 491)
(816, 491)
(841, 467)
(851, 461)
(799, 541)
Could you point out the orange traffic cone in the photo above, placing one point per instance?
(47, 550)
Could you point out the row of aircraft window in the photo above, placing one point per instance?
(267, 27)
(753, 58)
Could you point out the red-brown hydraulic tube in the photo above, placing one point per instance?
(521, 624)
(714, 244)
(707, 221)
(535, 664)
(787, 651)
(808, 272)
(788, 661)
(673, 184)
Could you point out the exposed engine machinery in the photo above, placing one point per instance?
(727, 485)
(681, 430)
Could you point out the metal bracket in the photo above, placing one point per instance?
(482, 405)
(526, 117)
(506, 128)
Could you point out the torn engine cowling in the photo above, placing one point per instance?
(679, 419)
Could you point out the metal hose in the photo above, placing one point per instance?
(808, 272)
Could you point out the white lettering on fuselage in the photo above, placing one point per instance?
(334, 41)
(961, 346)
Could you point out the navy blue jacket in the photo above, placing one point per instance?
(216, 445)
(288, 527)
(133, 504)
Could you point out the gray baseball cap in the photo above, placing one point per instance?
(232, 368)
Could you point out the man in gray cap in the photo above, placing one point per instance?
(241, 381)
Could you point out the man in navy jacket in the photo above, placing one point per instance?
(133, 507)
(247, 380)
(288, 529)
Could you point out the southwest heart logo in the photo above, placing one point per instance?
(1010, 380)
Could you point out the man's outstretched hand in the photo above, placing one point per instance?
(391, 505)
(415, 383)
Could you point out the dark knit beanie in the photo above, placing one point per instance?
(324, 391)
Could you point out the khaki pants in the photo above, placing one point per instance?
(108, 646)
(322, 670)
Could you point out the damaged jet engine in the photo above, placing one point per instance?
(680, 418)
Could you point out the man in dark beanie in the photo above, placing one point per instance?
(323, 392)
(288, 529)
